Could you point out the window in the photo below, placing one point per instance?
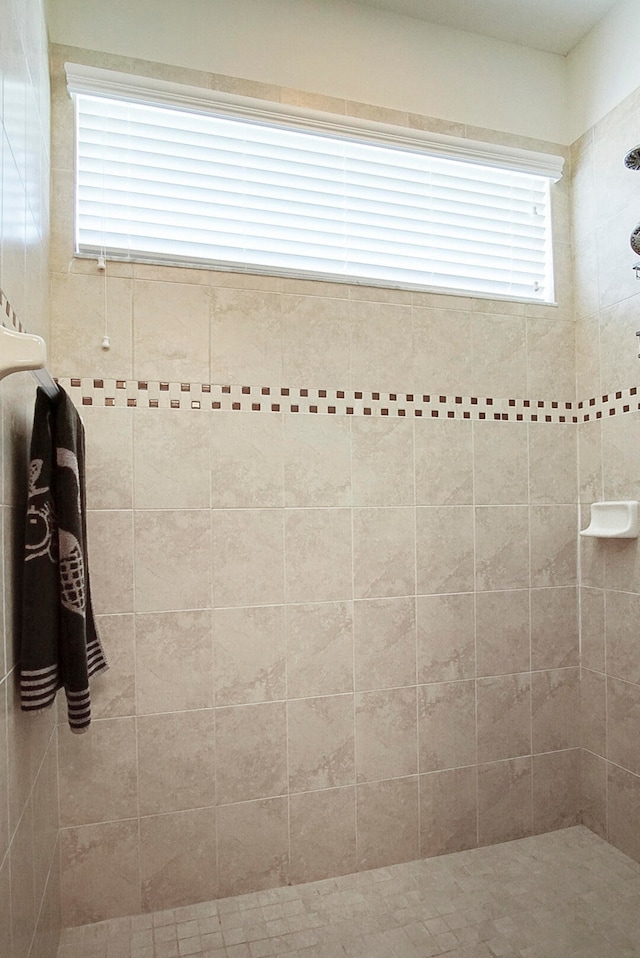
(241, 185)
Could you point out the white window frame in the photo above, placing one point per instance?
(94, 81)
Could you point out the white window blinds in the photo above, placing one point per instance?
(167, 184)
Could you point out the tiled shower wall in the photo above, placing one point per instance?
(339, 639)
(606, 211)
(29, 887)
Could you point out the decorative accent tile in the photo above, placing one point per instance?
(341, 402)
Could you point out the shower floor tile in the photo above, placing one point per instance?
(566, 894)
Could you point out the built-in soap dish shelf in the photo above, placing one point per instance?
(613, 520)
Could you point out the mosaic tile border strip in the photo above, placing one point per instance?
(135, 393)
(7, 308)
(235, 398)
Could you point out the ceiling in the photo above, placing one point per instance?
(552, 25)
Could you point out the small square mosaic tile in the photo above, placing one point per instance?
(566, 894)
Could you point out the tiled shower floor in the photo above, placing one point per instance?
(562, 895)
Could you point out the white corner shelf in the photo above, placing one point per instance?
(613, 520)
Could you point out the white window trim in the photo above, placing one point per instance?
(82, 79)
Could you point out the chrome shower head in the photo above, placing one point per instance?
(634, 239)
(632, 159)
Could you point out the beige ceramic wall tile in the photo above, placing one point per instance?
(555, 704)
(5, 907)
(46, 820)
(248, 557)
(554, 628)
(110, 547)
(500, 461)
(623, 709)
(446, 637)
(621, 559)
(381, 346)
(385, 643)
(593, 711)
(442, 349)
(319, 648)
(592, 632)
(387, 822)
(588, 383)
(504, 717)
(171, 332)
(623, 792)
(323, 834)
(316, 342)
(109, 457)
(552, 462)
(615, 282)
(171, 459)
(593, 797)
(444, 462)
(623, 654)
(174, 661)
(317, 461)
(17, 415)
(444, 549)
(320, 743)
(382, 462)
(618, 343)
(386, 734)
(504, 801)
(98, 773)
(318, 555)
(563, 280)
(246, 460)
(616, 187)
(176, 761)
(23, 906)
(246, 337)
(499, 356)
(4, 774)
(172, 560)
(252, 846)
(551, 360)
(99, 872)
(592, 555)
(502, 547)
(4, 638)
(590, 464)
(553, 551)
(502, 632)
(313, 101)
(446, 725)
(383, 552)
(178, 859)
(448, 811)
(250, 655)
(47, 935)
(251, 752)
(556, 790)
(62, 219)
(620, 456)
(159, 273)
(13, 199)
(585, 274)
(78, 326)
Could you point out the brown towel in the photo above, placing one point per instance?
(60, 646)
